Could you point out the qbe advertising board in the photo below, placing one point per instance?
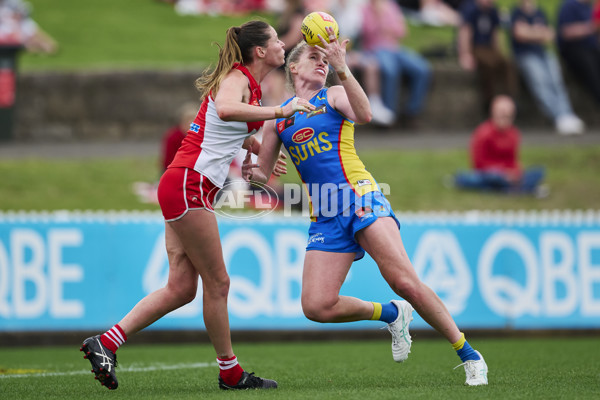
(83, 271)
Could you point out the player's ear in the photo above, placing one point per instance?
(293, 67)
(260, 52)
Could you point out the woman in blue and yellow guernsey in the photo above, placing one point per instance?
(350, 215)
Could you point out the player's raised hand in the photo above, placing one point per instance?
(333, 49)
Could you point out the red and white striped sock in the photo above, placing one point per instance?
(231, 371)
(113, 338)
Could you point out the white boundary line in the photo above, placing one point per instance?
(161, 367)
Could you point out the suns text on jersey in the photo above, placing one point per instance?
(308, 144)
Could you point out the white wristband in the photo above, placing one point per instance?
(344, 74)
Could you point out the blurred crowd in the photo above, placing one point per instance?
(18, 29)
(397, 78)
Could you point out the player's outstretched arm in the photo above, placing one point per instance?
(231, 106)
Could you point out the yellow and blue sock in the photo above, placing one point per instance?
(387, 312)
(464, 349)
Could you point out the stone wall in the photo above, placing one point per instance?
(132, 105)
(100, 105)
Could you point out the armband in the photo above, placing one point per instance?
(343, 74)
(278, 112)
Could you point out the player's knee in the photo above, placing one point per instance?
(316, 311)
(188, 294)
(183, 292)
(217, 286)
(405, 287)
(315, 314)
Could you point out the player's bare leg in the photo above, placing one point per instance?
(199, 234)
(383, 242)
(181, 288)
(323, 275)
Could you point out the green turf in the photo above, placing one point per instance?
(415, 178)
(142, 34)
(519, 369)
(138, 34)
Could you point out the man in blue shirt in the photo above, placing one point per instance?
(530, 34)
(479, 49)
(578, 43)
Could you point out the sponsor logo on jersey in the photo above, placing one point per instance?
(281, 125)
(303, 135)
(322, 109)
(382, 211)
(290, 121)
(363, 182)
(311, 144)
(194, 127)
(317, 237)
(366, 217)
(255, 98)
(362, 211)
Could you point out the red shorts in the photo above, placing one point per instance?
(183, 189)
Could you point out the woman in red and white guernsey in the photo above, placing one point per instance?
(230, 113)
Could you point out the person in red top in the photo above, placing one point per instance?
(174, 136)
(495, 156)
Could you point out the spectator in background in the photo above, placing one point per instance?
(578, 43)
(530, 34)
(146, 192)
(495, 156)
(289, 23)
(596, 15)
(288, 28)
(217, 7)
(349, 16)
(18, 29)
(382, 30)
(439, 13)
(173, 137)
(433, 12)
(479, 49)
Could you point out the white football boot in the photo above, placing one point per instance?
(401, 340)
(476, 371)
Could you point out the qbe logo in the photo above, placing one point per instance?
(239, 199)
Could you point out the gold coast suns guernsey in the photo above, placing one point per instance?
(321, 146)
(211, 144)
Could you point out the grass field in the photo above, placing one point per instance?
(141, 34)
(415, 178)
(519, 369)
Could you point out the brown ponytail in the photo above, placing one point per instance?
(239, 45)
